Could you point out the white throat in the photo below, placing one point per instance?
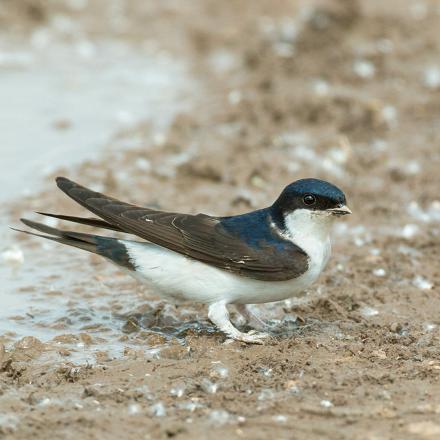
(303, 223)
(310, 230)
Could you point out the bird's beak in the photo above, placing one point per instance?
(340, 210)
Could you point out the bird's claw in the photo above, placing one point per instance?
(253, 337)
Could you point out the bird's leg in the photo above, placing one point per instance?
(251, 318)
(218, 314)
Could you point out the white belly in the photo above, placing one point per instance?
(178, 277)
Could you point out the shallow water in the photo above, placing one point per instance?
(60, 107)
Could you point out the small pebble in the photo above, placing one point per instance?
(221, 371)
(134, 408)
(321, 87)
(364, 69)
(326, 403)
(409, 231)
(178, 390)
(13, 256)
(369, 311)
(158, 410)
(380, 272)
(429, 327)
(208, 386)
(422, 283)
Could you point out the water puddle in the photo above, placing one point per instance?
(60, 107)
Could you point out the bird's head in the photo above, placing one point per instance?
(312, 198)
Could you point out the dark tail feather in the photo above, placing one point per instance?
(110, 248)
(96, 222)
(69, 242)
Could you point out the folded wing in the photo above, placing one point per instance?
(200, 236)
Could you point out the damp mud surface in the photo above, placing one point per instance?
(243, 98)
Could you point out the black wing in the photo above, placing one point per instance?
(200, 236)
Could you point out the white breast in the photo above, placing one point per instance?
(177, 277)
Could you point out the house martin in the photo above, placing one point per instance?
(262, 256)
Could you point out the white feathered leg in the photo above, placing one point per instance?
(219, 315)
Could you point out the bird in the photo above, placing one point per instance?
(267, 255)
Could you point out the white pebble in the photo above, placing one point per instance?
(364, 69)
(409, 231)
(178, 390)
(412, 168)
(358, 241)
(369, 311)
(431, 77)
(45, 402)
(267, 372)
(321, 87)
(279, 418)
(326, 403)
(134, 408)
(429, 327)
(158, 410)
(208, 386)
(380, 272)
(13, 256)
(422, 283)
(222, 371)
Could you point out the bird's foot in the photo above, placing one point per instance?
(218, 314)
(252, 337)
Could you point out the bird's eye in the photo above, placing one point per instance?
(309, 199)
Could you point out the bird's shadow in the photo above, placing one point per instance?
(170, 325)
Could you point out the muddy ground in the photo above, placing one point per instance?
(344, 91)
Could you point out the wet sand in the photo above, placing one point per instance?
(277, 91)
